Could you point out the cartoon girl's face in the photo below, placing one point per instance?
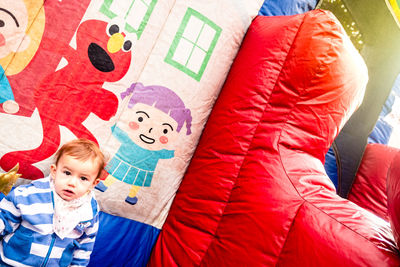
(150, 128)
(13, 24)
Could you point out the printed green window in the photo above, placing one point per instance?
(135, 13)
(193, 44)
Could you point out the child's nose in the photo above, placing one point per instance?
(72, 181)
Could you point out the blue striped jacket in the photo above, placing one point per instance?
(26, 225)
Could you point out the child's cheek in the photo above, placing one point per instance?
(133, 125)
(163, 140)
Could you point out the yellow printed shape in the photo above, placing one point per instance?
(115, 43)
(21, 34)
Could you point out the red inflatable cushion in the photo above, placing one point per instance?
(256, 192)
(393, 194)
(369, 187)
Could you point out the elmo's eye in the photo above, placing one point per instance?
(113, 29)
(127, 46)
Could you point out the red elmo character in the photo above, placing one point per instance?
(69, 95)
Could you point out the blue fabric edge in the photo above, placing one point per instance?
(122, 242)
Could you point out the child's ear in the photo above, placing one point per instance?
(96, 181)
(53, 169)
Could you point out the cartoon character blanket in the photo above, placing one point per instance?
(138, 77)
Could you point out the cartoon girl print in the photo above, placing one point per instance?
(22, 24)
(147, 131)
(13, 24)
(6, 94)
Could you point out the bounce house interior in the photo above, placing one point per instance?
(236, 132)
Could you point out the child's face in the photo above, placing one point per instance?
(73, 178)
(150, 128)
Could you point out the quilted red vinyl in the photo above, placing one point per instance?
(393, 196)
(369, 187)
(256, 192)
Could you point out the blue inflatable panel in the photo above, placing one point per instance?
(122, 242)
(387, 107)
(396, 86)
(286, 7)
(331, 167)
(381, 132)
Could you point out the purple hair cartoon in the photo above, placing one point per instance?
(163, 99)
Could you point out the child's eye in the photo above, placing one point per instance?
(83, 178)
(67, 172)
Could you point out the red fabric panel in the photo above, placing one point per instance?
(369, 187)
(338, 246)
(256, 185)
(393, 192)
(206, 189)
(311, 183)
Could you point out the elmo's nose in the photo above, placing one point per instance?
(115, 42)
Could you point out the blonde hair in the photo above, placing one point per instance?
(82, 149)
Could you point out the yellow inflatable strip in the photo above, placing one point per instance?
(394, 5)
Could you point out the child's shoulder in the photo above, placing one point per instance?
(40, 184)
(36, 191)
(94, 205)
(90, 211)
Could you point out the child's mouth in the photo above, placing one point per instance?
(68, 192)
